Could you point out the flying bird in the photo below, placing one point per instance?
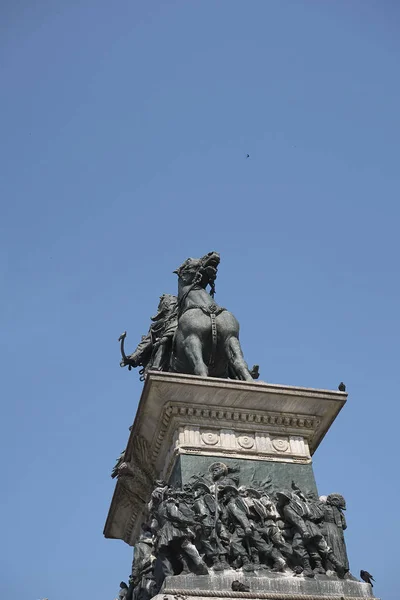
(341, 387)
(247, 155)
(365, 576)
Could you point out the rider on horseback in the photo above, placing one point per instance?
(154, 350)
(191, 333)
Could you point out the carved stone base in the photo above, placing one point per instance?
(273, 586)
(184, 423)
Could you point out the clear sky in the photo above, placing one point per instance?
(124, 131)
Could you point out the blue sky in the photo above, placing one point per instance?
(124, 133)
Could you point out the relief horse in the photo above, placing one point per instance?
(206, 340)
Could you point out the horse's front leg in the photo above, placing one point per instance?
(236, 359)
(193, 351)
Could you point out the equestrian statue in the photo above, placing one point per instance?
(190, 333)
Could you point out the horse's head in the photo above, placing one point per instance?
(201, 271)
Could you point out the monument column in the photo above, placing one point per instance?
(216, 489)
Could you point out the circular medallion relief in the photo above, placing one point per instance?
(246, 441)
(281, 444)
(210, 437)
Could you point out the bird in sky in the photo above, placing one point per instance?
(341, 387)
(247, 155)
(365, 576)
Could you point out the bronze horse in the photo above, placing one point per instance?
(206, 340)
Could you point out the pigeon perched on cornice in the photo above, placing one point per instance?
(365, 576)
(238, 586)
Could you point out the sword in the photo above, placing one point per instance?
(125, 359)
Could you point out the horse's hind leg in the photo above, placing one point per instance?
(194, 354)
(236, 359)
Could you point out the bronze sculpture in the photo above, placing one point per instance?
(215, 524)
(190, 332)
(334, 526)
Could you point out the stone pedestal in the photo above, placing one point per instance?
(184, 423)
(262, 432)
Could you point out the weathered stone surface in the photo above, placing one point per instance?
(189, 414)
(275, 585)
